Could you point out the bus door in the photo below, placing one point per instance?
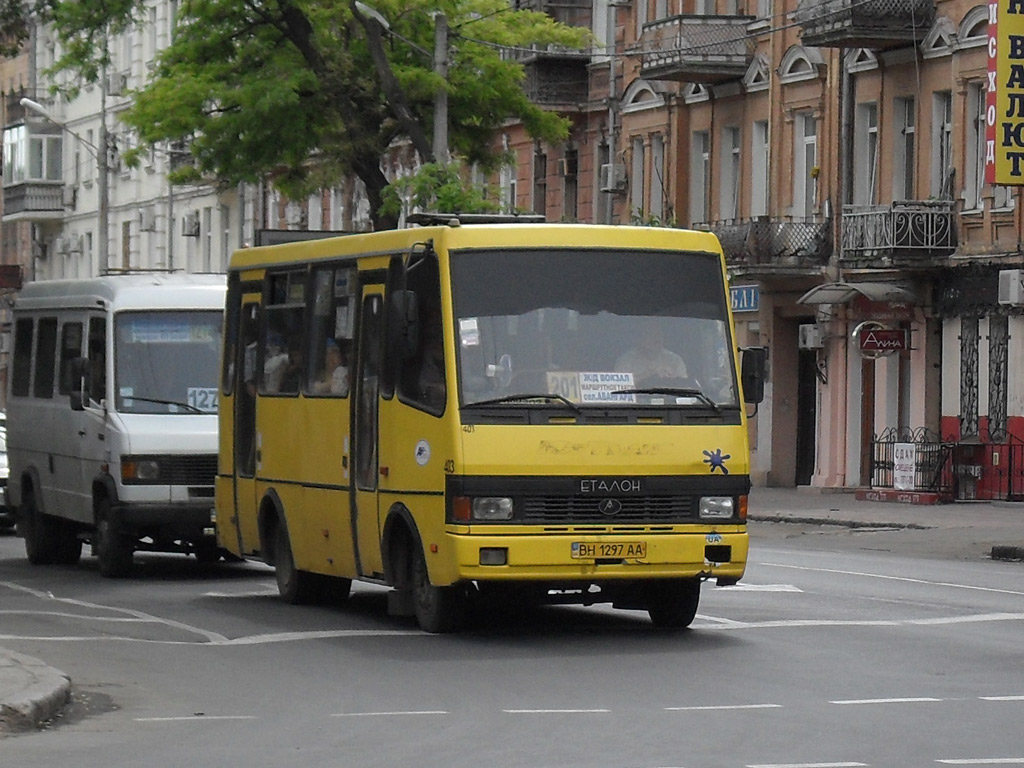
(246, 449)
(365, 431)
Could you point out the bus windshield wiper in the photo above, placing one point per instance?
(673, 392)
(524, 396)
(180, 404)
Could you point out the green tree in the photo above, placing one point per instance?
(303, 92)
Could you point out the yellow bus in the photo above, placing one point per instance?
(470, 410)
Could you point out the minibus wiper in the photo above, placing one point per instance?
(189, 406)
(526, 396)
(672, 391)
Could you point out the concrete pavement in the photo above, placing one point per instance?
(32, 692)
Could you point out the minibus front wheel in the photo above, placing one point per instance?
(438, 609)
(672, 603)
(114, 548)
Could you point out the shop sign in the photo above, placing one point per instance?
(904, 462)
(866, 309)
(745, 298)
(883, 340)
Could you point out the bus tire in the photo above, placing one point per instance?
(114, 549)
(295, 587)
(438, 609)
(67, 547)
(673, 604)
(38, 530)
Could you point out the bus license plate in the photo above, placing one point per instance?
(585, 550)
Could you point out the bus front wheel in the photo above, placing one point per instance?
(114, 549)
(296, 587)
(438, 609)
(673, 604)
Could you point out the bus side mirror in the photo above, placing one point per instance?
(79, 383)
(404, 323)
(753, 364)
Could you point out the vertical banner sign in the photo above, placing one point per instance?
(1009, 52)
(904, 463)
(990, 94)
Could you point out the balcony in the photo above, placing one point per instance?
(696, 49)
(903, 232)
(774, 243)
(877, 24)
(34, 201)
(557, 76)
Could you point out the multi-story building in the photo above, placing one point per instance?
(836, 148)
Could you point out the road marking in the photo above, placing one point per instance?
(555, 711)
(393, 714)
(908, 700)
(722, 706)
(759, 588)
(727, 624)
(894, 578)
(186, 718)
(1001, 698)
(985, 761)
(806, 765)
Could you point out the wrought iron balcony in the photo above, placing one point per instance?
(554, 81)
(878, 24)
(696, 49)
(765, 242)
(34, 201)
(904, 229)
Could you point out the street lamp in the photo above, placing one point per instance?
(99, 151)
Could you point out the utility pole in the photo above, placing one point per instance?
(441, 99)
(103, 166)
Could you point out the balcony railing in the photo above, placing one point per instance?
(552, 81)
(907, 228)
(34, 201)
(864, 23)
(696, 49)
(773, 242)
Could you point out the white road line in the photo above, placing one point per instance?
(908, 700)
(759, 588)
(111, 619)
(193, 718)
(1001, 698)
(806, 765)
(796, 623)
(985, 761)
(894, 578)
(555, 711)
(711, 708)
(398, 713)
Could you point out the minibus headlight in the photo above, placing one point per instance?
(716, 507)
(139, 470)
(492, 508)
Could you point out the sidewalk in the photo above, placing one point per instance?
(31, 692)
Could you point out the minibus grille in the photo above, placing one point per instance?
(634, 509)
(188, 470)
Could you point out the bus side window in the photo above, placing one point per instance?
(97, 359)
(422, 379)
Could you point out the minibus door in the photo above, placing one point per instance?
(245, 437)
(365, 432)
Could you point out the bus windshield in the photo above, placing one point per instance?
(594, 327)
(167, 361)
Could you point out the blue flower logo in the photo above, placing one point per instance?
(716, 460)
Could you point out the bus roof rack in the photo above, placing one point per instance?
(433, 218)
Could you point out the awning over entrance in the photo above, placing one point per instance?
(841, 293)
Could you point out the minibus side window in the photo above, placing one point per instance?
(422, 380)
(331, 359)
(22, 373)
(97, 355)
(284, 343)
(46, 358)
(70, 348)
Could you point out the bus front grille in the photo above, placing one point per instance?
(633, 509)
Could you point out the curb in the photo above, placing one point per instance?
(43, 695)
(834, 521)
(1007, 552)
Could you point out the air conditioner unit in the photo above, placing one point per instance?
(190, 224)
(70, 196)
(117, 83)
(1011, 287)
(60, 246)
(147, 219)
(75, 244)
(810, 336)
(612, 177)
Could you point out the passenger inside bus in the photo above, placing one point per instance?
(333, 378)
(291, 376)
(649, 361)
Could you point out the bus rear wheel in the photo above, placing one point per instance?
(673, 604)
(295, 587)
(438, 609)
(38, 531)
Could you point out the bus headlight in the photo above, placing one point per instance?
(140, 471)
(716, 507)
(492, 508)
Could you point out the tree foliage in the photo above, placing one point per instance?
(303, 92)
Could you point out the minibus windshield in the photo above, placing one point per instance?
(167, 361)
(596, 327)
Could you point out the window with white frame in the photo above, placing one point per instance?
(942, 145)
(974, 155)
(657, 204)
(641, 17)
(904, 159)
(759, 169)
(700, 176)
(32, 156)
(729, 196)
(764, 9)
(540, 180)
(636, 179)
(865, 154)
(604, 28)
(805, 157)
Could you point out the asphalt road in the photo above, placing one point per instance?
(828, 654)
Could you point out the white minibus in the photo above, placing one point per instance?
(112, 416)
